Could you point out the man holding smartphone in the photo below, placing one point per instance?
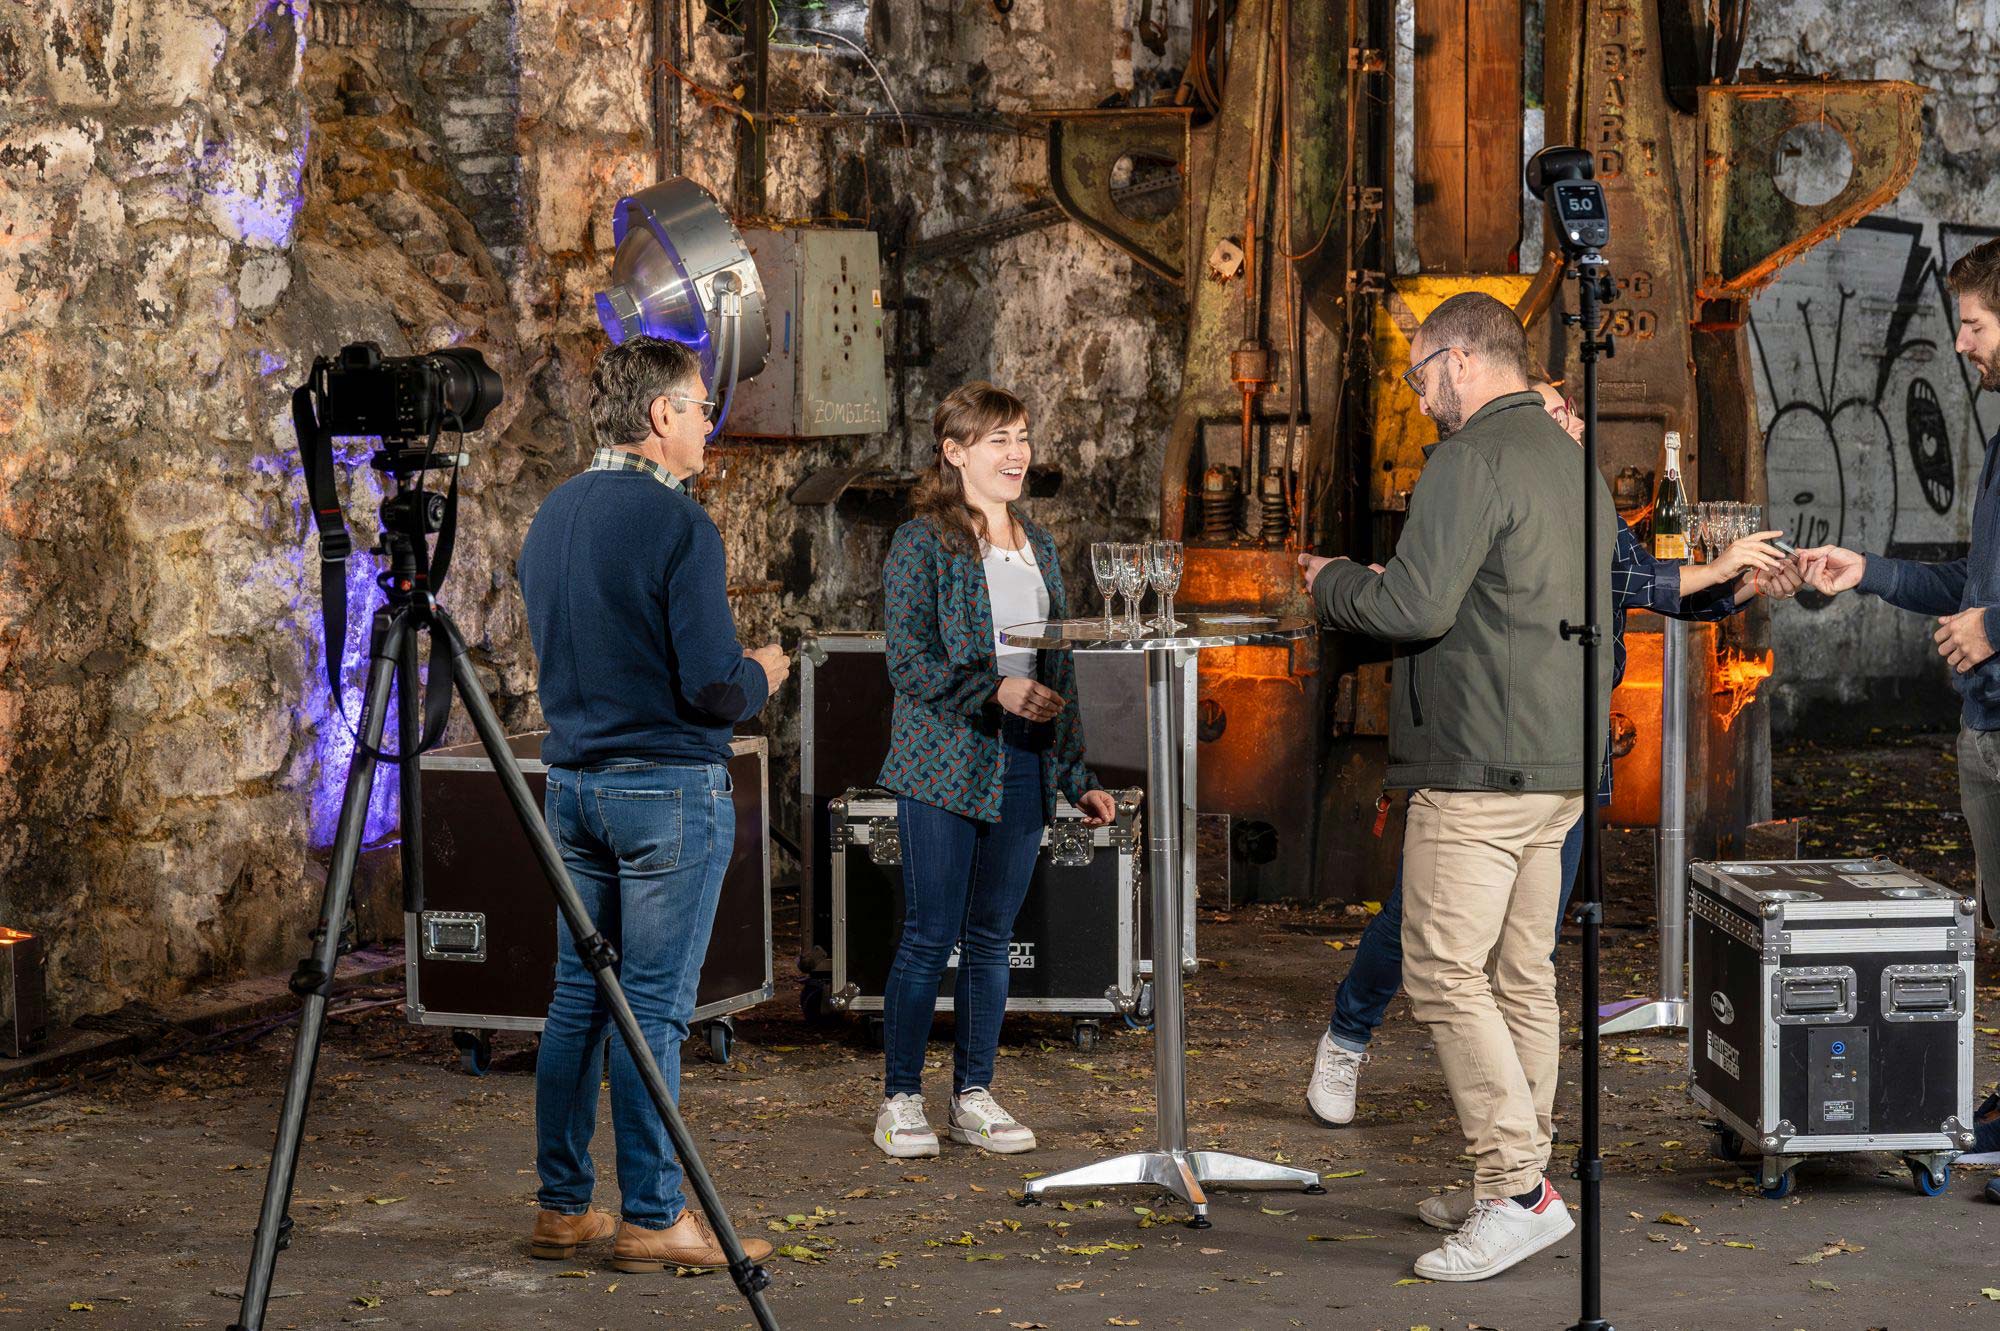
(642, 683)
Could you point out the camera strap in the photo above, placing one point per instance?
(335, 545)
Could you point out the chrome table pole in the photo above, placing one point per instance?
(1668, 1012)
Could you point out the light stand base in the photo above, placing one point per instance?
(1181, 1172)
(1642, 1014)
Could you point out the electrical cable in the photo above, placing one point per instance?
(856, 48)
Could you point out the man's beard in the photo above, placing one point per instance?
(1446, 409)
(1989, 375)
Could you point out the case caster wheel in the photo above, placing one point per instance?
(1083, 1034)
(814, 1002)
(1728, 1144)
(1778, 1191)
(1142, 1007)
(1930, 1183)
(475, 1051)
(721, 1035)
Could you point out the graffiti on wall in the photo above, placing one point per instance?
(1873, 426)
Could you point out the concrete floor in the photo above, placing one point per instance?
(128, 1203)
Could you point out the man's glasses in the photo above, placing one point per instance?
(1410, 375)
(691, 401)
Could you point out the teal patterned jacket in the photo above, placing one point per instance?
(944, 736)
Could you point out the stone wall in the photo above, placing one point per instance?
(1875, 433)
(198, 196)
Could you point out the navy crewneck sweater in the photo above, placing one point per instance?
(628, 608)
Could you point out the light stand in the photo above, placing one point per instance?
(407, 520)
(1580, 223)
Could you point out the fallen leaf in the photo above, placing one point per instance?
(1732, 1243)
(799, 1253)
(1822, 1284)
(440, 1293)
(1337, 1238)
(1272, 1210)
(853, 1194)
(1989, 1292)
(1669, 1218)
(367, 1301)
(572, 1275)
(1208, 1252)
(80, 1307)
(386, 1201)
(1412, 1280)
(1346, 1173)
(1120, 1321)
(1029, 1326)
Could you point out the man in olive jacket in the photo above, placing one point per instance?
(1485, 731)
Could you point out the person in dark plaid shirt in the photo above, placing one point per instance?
(1715, 590)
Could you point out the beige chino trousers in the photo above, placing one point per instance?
(1481, 886)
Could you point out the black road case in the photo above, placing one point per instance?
(1076, 940)
(480, 947)
(1831, 1010)
(845, 702)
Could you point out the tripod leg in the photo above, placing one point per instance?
(751, 1279)
(313, 981)
(409, 799)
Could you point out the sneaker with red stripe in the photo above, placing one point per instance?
(1498, 1234)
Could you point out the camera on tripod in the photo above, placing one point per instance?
(403, 399)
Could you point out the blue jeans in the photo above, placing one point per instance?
(646, 845)
(963, 883)
(1377, 973)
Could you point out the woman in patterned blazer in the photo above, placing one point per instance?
(982, 739)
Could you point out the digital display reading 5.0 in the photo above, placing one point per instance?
(1580, 203)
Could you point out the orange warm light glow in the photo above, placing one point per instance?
(9, 937)
(1737, 677)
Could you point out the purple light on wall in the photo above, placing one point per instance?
(334, 735)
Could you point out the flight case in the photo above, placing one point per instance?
(1076, 941)
(480, 948)
(1831, 1010)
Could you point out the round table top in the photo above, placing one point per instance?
(1193, 631)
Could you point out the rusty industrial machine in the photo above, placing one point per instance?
(1293, 432)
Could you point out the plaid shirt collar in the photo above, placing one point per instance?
(624, 459)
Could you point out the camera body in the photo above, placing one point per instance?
(404, 398)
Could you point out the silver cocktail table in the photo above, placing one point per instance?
(1171, 1165)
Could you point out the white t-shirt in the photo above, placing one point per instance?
(1014, 585)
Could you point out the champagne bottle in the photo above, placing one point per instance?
(1670, 515)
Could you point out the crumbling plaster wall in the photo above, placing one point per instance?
(198, 196)
(1874, 432)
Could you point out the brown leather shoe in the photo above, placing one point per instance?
(687, 1242)
(556, 1235)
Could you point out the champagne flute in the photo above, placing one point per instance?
(1104, 568)
(1132, 583)
(1164, 563)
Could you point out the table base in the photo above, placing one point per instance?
(1639, 1014)
(1183, 1173)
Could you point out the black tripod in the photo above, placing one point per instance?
(407, 518)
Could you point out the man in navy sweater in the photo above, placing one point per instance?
(1964, 594)
(642, 682)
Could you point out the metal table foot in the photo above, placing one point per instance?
(1640, 1014)
(1236, 1170)
(1172, 1171)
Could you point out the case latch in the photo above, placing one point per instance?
(885, 841)
(1069, 844)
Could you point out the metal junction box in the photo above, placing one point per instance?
(1831, 1010)
(825, 374)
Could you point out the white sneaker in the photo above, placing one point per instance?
(978, 1120)
(901, 1129)
(1498, 1234)
(1449, 1211)
(1330, 1095)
